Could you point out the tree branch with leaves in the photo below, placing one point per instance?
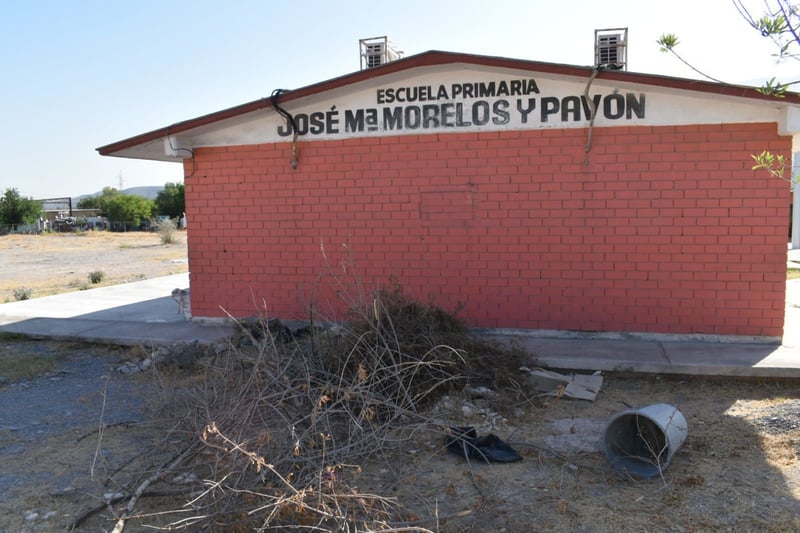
(781, 23)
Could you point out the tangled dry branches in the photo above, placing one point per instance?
(283, 418)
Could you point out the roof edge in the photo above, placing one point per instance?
(438, 57)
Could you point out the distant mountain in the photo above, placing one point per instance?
(150, 192)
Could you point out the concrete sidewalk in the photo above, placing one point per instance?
(660, 355)
(145, 313)
(141, 312)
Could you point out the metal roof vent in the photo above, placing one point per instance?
(376, 51)
(611, 49)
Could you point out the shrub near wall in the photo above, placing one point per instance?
(659, 229)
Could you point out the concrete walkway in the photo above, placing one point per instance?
(145, 313)
(142, 312)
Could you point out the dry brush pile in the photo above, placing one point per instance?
(277, 427)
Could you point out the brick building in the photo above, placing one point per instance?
(481, 182)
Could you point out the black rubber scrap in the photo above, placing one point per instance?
(465, 442)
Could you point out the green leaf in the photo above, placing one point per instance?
(667, 41)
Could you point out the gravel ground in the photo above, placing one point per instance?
(49, 428)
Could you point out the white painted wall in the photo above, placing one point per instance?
(662, 106)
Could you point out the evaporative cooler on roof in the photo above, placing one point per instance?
(611, 49)
(376, 51)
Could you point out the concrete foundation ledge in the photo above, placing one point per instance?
(623, 336)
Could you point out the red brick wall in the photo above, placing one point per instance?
(665, 229)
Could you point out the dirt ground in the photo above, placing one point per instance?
(739, 469)
(52, 263)
(68, 435)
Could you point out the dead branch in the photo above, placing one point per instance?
(91, 511)
(99, 430)
(283, 420)
(160, 473)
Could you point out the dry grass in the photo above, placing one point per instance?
(16, 366)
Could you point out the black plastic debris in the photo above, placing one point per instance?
(465, 442)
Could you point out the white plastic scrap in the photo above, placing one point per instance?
(580, 386)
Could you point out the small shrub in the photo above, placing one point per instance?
(167, 230)
(22, 293)
(96, 276)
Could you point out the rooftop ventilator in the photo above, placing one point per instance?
(611, 49)
(377, 51)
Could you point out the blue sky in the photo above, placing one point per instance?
(81, 74)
